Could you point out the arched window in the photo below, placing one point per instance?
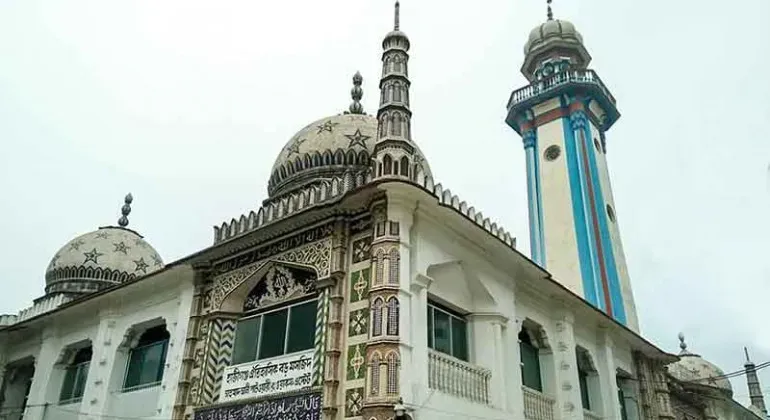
(405, 166)
(530, 362)
(374, 374)
(387, 162)
(394, 266)
(397, 92)
(75, 376)
(392, 316)
(147, 360)
(377, 318)
(588, 379)
(280, 313)
(392, 388)
(397, 121)
(391, 93)
(378, 264)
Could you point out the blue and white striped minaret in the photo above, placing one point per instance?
(562, 117)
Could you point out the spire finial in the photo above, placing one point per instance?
(357, 93)
(682, 344)
(396, 21)
(125, 210)
(550, 11)
(745, 350)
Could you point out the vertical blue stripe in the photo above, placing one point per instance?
(590, 292)
(533, 230)
(534, 193)
(616, 296)
(539, 203)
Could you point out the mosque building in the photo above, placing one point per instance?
(363, 289)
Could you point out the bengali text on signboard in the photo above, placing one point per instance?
(267, 377)
(295, 407)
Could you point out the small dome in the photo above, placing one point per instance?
(104, 257)
(699, 371)
(552, 30)
(326, 148)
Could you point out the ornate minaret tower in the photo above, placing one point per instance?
(395, 154)
(563, 115)
(755, 391)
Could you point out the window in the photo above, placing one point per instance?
(622, 400)
(377, 318)
(392, 374)
(374, 375)
(285, 330)
(583, 380)
(530, 362)
(393, 269)
(146, 361)
(75, 377)
(392, 316)
(447, 332)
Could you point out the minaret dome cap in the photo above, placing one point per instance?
(554, 37)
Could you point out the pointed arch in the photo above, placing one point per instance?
(387, 163)
(350, 159)
(378, 266)
(363, 158)
(316, 159)
(327, 157)
(298, 165)
(405, 166)
(393, 257)
(398, 121)
(377, 307)
(308, 162)
(392, 378)
(393, 310)
(397, 91)
(374, 373)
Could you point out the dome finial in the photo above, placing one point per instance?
(357, 93)
(550, 11)
(682, 344)
(125, 210)
(396, 21)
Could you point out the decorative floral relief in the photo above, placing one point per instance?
(278, 285)
(356, 362)
(359, 322)
(359, 285)
(353, 401)
(362, 250)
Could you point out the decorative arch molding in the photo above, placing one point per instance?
(315, 255)
(132, 334)
(536, 334)
(585, 360)
(68, 352)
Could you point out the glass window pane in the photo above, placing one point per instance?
(441, 332)
(301, 327)
(152, 366)
(134, 368)
(459, 339)
(80, 380)
(530, 369)
(68, 384)
(273, 334)
(583, 380)
(246, 340)
(430, 327)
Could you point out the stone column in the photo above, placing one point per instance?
(416, 381)
(105, 345)
(605, 364)
(38, 400)
(568, 402)
(488, 350)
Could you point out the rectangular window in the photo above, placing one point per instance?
(74, 384)
(622, 401)
(145, 364)
(274, 333)
(530, 366)
(447, 332)
(583, 380)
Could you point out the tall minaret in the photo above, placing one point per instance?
(563, 116)
(395, 154)
(755, 391)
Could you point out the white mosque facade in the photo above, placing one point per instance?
(363, 289)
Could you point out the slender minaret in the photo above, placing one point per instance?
(395, 154)
(563, 116)
(755, 391)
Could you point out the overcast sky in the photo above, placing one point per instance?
(187, 103)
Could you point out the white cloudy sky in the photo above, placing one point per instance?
(187, 103)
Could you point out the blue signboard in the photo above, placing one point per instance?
(295, 407)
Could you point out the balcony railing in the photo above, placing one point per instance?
(584, 77)
(455, 377)
(536, 405)
(590, 415)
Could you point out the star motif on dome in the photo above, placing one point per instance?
(141, 265)
(694, 371)
(76, 245)
(357, 139)
(92, 256)
(712, 380)
(326, 126)
(293, 147)
(156, 259)
(102, 235)
(121, 247)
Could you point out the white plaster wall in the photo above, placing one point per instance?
(104, 322)
(617, 244)
(462, 276)
(558, 220)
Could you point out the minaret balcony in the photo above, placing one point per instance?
(585, 83)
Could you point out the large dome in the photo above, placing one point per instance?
(326, 148)
(696, 370)
(107, 256)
